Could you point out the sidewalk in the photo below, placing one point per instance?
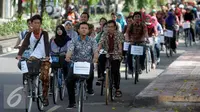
(178, 85)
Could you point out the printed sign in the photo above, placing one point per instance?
(81, 68)
(137, 50)
(168, 33)
(162, 39)
(126, 45)
(24, 67)
(186, 25)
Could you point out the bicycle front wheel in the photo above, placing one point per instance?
(62, 87)
(136, 69)
(28, 93)
(107, 86)
(40, 94)
(80, 97)
(55, 88)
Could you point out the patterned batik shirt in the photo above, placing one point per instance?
(118, 39)
(83, 50)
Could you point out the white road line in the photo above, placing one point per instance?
(12, 52)
(53, 108)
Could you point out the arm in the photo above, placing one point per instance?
(70, 50)
(25, 45)
(95, 51)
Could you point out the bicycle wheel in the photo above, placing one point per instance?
(167, 46)
(136, 69)
(102, 86)
(80, 97)
(107, 86)
(111, 86)
(39, 94)
(28, 93)
(186, 37)
(126, 70)
(55, 87)
(62, 87)
(148, 61)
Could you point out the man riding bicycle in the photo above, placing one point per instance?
(41, 50)
(111, 41)
(81, 49)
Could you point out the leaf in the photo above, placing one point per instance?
(185, 81)
(113, 108)
(155, 89)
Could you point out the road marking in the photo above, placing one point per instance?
(12, 52)
(53, 108)
(98, 103)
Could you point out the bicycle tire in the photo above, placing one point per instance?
(80, 97)
(186, 37)
(107, 86)
(111, 86)
(171, 52)
(102, 86)
(62, 87)
(167, 46)
(55, 88)
(40, 104)
(126, 74)
(136, 70)
(29, 99)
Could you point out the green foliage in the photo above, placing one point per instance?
(48, 23)
(93, 2)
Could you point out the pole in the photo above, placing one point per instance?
(31, 8)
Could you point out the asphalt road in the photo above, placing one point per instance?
(11, 78)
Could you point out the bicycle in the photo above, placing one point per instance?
(58, 84)
(82, 70)
(108, 78)
(148, 60)
(33, 84)
(137, 51)
(169, 51)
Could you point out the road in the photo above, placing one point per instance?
(10, 75)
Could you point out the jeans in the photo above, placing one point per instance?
(71, 82)
(101, 65)
(157, 50)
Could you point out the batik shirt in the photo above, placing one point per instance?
(83, 50)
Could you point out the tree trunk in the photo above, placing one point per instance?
(43, 7)
(67, 2)
(20, 9)
(108, 6)
(31, 8)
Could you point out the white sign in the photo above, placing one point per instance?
(198, 14)
(162, 39)
(137, 50)
(151, 40)
(24, 67)
(186, 25)
(126, 45)
(168, 33)
(81, 68)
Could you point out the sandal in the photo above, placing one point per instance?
(46, 102)
(118, 93)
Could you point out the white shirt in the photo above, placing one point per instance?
(39, 51)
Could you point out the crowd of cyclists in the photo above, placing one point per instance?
(80, 41)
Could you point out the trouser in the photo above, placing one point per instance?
(71, 82)
(115, 72)
(152, 54)
(157, 50)
(45, 77)
(101, 65)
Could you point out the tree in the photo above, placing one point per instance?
(20, 9)
(128, 5)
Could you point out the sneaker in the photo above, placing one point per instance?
(98, 83)
(71, 106)
(90, 92)
(158, 60)
(153, 66)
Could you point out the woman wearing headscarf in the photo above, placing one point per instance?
(59, 45)
(152, 33)
(161, 21)
(170, 23)
(179, 17)
(69, 30)
(121, 20)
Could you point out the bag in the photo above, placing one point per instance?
(57, 61)
(34, 66)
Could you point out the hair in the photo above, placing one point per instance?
(112, 21)
(83, 23)
(130, 17)
(113, 14)
(36, 17)
(28, 20)
(86, 14)
(137, 13)
(103, 18)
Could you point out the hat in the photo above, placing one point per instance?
(68, 22)
(181, 6)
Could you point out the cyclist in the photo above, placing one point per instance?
(69, 30)
(111, 42)
(22, 34)
(152, 33)
(114, 17)
(189, 16)
(82, 48)
(60, 44)
(102, 21)
(137, 34)
(121, 20)
(170, 23)
(40, 51)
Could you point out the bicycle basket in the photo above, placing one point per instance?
(34, 67)
(82, 69)
(57, 61)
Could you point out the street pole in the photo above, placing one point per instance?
(116, 6)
